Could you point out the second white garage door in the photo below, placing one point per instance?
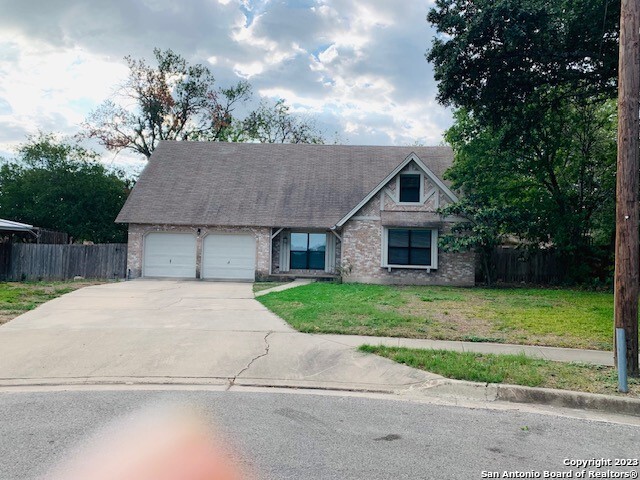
(229, 257)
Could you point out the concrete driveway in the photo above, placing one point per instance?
(152, 331)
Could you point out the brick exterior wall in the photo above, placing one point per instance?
(276, 243)
(362, 257)
(362, 239)
(138, 231)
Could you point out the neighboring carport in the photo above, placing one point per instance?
(29, 233)
(8, 229)
(9, 226)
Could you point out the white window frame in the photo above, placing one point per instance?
(385, 250)
(410, 172)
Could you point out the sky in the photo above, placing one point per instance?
(357, 67)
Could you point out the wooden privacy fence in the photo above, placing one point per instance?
(509, 265)
(30, 261)
(51, 236)
(5, 257)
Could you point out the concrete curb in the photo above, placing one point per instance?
(223, 383)
(441, 388)
(491, 392)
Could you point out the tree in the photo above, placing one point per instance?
(178, 101)
(552, 185)
(485, 228)
(276, 124)
(497, 57)
(62, 186)
(534, 129)
(173, 101)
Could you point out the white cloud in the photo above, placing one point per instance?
(370, 70)
(327, 56)
(52, 88)
(359, 67)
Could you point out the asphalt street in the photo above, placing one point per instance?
(300, 436)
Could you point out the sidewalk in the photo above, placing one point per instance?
(298, 282)
(596, 357)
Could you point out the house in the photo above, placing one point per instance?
(241, 211)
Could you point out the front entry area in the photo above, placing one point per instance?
(229, 257)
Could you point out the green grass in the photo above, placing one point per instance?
(360, 309)
(259, 286)
(19, 297)
(510, 369)
(533, 316)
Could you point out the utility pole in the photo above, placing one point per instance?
(626, 259)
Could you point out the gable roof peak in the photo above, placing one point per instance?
(412, 157)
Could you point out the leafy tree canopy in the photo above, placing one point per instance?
(494, 56)
(534, 133)
(178, 101)
(274, 123)
(556, 188)
(62, 186)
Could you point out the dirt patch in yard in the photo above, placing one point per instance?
(5, 317)
(449, 319)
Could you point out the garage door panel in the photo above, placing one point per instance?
(170, 255)
(229, 257)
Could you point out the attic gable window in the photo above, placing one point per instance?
(410, 188)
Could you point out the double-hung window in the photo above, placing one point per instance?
(410, 247)
(308, 251)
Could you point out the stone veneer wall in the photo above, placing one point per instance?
(138, 231)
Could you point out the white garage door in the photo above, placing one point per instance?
(229, 257)
(170, 255)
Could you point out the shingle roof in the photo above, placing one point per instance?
(248, 184)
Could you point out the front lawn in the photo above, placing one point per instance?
(529, 316)
(511, 369)
(19, 297)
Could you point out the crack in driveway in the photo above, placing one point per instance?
(266, 352)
